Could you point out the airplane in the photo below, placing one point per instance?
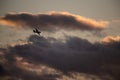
(36, 31)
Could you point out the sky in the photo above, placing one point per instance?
(107, 10)
(73, 32)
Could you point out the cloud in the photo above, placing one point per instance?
(52, 21)
(7, 22)
(2, 70)
(111, 39)
(75, 55)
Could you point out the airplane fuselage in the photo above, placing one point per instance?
(36, 31)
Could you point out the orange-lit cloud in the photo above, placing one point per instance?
(110, 39)
(8, 22)
(52, 21)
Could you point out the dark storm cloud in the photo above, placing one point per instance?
(2, 70)
(73, 55)
(53, 20)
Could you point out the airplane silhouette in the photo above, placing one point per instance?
(36, 31)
